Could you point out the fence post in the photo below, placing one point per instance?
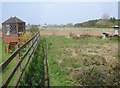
(17, 60)
(5, 48)
(27, 49)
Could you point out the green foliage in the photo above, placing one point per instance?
(23, 38)
(100, 23)
(34, 29)
(103, 23)
(113, 20)
(34, 74)
(49, 45)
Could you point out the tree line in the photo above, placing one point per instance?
(99, 23)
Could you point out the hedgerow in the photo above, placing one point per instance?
(34, 73)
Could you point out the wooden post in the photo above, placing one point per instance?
(31, 47)
(27, 46)
(9, 30)
(5, 48)
(8, 48)
(23, 27)
(17, 60)
(17, 27)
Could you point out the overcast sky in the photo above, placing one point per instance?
(58, 12)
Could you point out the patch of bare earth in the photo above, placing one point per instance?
(72, 51)
(107, 50)
(67, 32)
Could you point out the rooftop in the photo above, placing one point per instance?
(13, 20)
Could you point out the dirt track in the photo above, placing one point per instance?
(67, 32)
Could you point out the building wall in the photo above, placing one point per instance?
(11, 37)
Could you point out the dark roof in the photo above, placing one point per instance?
(13, 20)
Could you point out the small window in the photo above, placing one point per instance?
(13, 28)
(20, 28)
(4, 30)
(7, 30)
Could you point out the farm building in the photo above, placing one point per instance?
(11, 31)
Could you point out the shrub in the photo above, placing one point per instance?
(23, 38)
(33, 29)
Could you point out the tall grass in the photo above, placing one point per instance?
(34, 74)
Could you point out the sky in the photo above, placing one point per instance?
(58, 12)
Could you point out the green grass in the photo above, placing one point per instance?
(34, 74)
(10, 66)
(56, 51)
(3, 55)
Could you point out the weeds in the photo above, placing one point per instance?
(34, 74)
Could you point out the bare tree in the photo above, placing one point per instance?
(105, 16)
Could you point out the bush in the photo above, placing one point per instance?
(23, 38)
(34, 29)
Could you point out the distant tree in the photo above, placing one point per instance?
(103, 23)
(105, 16)
(113, 20)
(78, 25)
(69, 25)
(34, 29)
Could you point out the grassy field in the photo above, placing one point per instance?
(77, 62)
